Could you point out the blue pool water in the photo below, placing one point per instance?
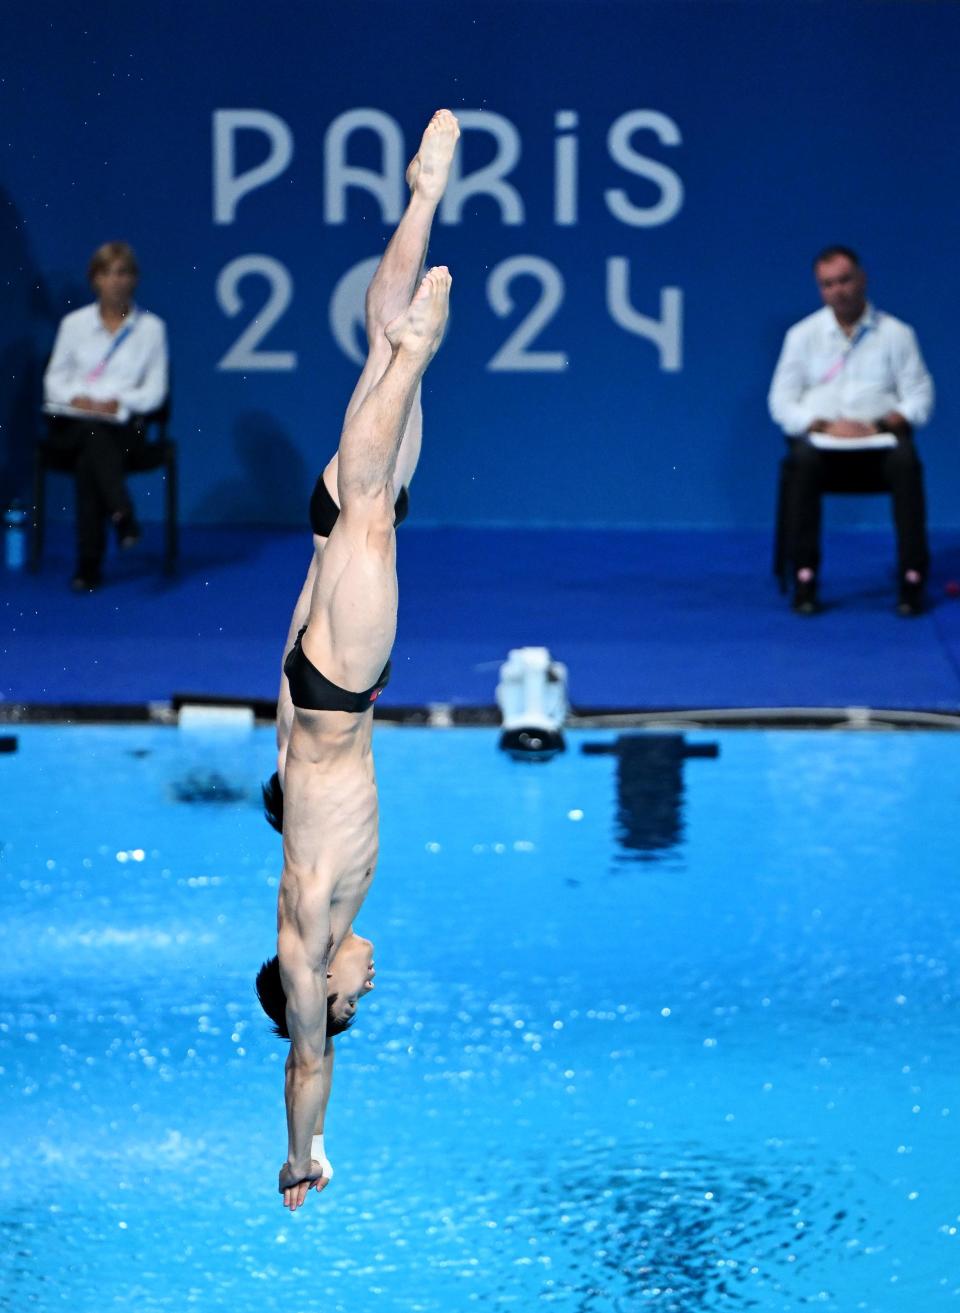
(647, 1033)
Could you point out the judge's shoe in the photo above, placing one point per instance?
(805, 600)
(127, 529)
(86, 577)
(911, 601)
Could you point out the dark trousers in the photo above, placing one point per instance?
(896, 470)
(100, 450)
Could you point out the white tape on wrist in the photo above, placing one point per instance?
(318, 1154)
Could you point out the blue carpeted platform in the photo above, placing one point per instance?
(642, 619)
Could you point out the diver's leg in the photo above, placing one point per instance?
(353, 611)
(398, 273)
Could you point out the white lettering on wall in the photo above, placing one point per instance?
(666, 333)
(243, 355)
(347, 314)
(565, 169)
(513, 355)
(228, 185)
(622, 153)
(490, 180)
(384, 182)
(386, 186)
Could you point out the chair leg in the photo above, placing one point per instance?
(782, 548)
(39, 512)
(172, 543)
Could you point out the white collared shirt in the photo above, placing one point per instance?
(881, 370)
(135, 375)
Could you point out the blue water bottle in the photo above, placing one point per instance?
(15, 537)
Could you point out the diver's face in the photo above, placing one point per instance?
(351, 974)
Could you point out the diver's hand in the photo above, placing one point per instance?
(295, 1184)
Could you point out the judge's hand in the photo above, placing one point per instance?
(95, 407)
(894, 422)
(848, 428)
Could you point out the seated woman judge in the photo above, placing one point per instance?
(108, 368)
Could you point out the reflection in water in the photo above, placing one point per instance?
(604, 1226)
(208, 786)
(650, 788)
(685, 1230)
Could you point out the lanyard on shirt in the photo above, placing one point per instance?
(117, 342)
(841, 360)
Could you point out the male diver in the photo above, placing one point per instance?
(388, 295)
(346, 622)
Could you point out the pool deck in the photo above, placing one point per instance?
(643, 620)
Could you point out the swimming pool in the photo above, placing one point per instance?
(648, 1031)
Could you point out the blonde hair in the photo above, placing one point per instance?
(105, 255)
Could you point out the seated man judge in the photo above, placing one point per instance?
(108, 368)
(848, 391)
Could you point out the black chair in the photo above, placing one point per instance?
(868, 482)
(158, 452)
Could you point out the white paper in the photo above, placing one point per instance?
(75, 412)
(873, 442)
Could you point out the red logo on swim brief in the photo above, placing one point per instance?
(375, 694)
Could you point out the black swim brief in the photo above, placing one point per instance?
(312, 691)
(324, 511)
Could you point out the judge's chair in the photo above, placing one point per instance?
(865, 480)
(159, 452)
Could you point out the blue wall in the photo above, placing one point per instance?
(771, 130)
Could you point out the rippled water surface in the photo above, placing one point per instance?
(650, 1030)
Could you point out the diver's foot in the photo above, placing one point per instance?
(428, 171)
(419, 330)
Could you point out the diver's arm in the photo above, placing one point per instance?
(318, 1150)
(306, 1085)
(327, 1086)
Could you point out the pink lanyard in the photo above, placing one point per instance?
(841, 360)
(118, 341)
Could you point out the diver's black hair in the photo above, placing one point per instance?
(273, 1000)
(273, 802)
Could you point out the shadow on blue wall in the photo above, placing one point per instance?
(25, 309)
(31, 307)
(274, 474)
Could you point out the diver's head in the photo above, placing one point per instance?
(349, 977)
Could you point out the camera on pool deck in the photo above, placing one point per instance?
(532, 697)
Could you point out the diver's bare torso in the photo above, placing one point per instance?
(330, 809)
